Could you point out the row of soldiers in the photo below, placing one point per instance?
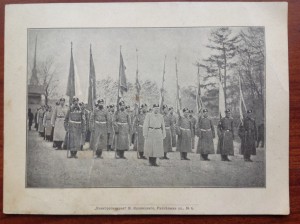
(152, 133)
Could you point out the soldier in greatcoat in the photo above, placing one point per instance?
(168, 124)
(40, 119)
(154, 133)
(110, 132)
(248, 135)
(184, 132)
(193, 123)
(75, 126)
(98, 125)
(121, 124)
(226, 136)
(173, 129)
(86, 115)
(47, 123)
(206, 133)
(57, 121)
(139, 138)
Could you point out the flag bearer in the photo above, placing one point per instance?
(168, 124)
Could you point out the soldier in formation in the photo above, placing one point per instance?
(75, 126)
(121, 124)
(206, 133)
(168, 124)
(248, 135)
(154, 133)
(226, 136)
(98, 125)
(184, 133)
(57, 122)
(138, 124)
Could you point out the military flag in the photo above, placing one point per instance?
(71, 80)
(122, 87)
(92, 83)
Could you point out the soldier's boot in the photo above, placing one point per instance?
(182, 155)
(227, 159)
(98, 154)
(150, 161)
(165, 156)
(223, 158)
(154, 161)
(123, 154)
(81, 147)
(185, 156)
(141, 155)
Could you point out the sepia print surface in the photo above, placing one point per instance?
(95, 96)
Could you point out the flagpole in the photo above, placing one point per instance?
(68, 143)
(93, 99)
(162, 86)
(177, 96)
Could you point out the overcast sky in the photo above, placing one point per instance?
(187, 44)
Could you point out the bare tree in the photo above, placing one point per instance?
(48, 71)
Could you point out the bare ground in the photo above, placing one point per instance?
(50, 168)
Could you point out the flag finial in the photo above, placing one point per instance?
(90, 48)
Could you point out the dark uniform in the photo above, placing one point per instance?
(184, 132)
(168, 139)
(121, 122)
(139, 139)
(173, 127)
(261, 135)
(226, 136)
(206, 134)
(110, 132)
(30, 118)
(98, 124)
(75, 126)
(248, 135)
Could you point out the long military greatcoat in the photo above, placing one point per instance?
(248, 135)
(193, 130)
(110, 131)
(138, 124)
(47, 123)
(154, 133)
(184, 132)
(121, 124)
(40, 120)
(226, 136)
(75, 125)
(168, 139)
(206, 133)
(98, 125)
(57, 120)
(173, 129)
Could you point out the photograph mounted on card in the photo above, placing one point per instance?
(172, 111)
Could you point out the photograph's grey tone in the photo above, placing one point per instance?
(146, 107)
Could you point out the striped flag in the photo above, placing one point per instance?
(71, 80)
(92, 82)
(221, 100)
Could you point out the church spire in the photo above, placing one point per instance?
(34, 79)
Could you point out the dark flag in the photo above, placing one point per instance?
(178, 95)
(122, 87)
(92, 83)
(71, 79)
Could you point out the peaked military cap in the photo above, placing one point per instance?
(205, 110)
(122, 103)
(185, 109)
(100, 101)
(165, 106)
(62, 99)
(143, 105)
(75, 99)
(228, 110)
(155, 105)
(249, 111)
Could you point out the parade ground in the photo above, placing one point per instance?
(50, 168)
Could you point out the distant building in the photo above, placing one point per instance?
(35, 90)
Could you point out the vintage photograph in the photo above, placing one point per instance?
(146, 107)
